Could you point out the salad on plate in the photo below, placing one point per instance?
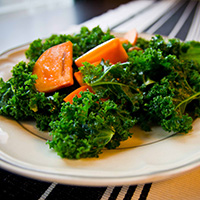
(90, 88)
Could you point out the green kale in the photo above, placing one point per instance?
(165, 105)
(48, 108)
(191, 51)
(182, 50)
(16, 92)
(148, 66)
(82, 42)
(20, 100)
(142, 43)
(87, 126)
(172, 46)
(166, 100)
(116, 82)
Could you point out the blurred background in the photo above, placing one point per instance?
(22, 21)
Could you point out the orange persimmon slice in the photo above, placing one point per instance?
(111, 50)
(69, 97)
(54, 68)
(131, 36)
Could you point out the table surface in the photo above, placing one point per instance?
(29, 21)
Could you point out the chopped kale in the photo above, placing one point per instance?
(20, 100)
(85, 127)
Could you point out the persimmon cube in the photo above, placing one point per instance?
(54, 68)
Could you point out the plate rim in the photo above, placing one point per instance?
(99, 181)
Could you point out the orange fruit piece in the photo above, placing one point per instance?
(131, 36)
(111, 50)
(54, 68)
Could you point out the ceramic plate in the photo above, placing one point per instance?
(146, 157)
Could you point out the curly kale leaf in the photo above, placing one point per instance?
(149, 66)
(166, 101)
(85, 127)
(162, 108)
(16, 92)
(82, 42)
(48, 108)
(116, 82)
(172, 46)
(20, 100)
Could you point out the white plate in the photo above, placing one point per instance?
(146, 157)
